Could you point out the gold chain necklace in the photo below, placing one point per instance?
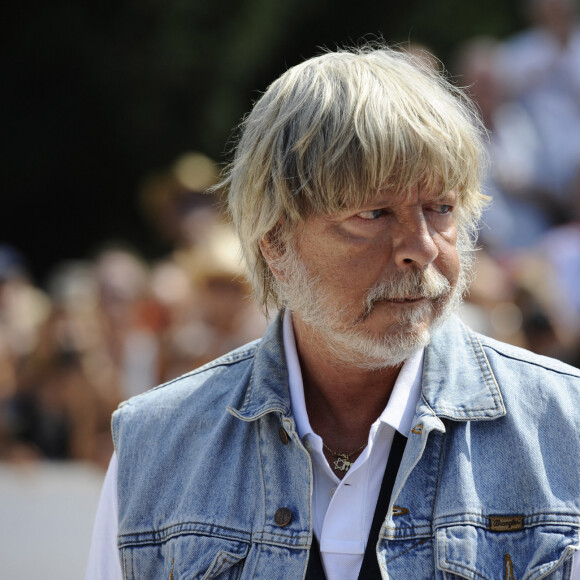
(342, 461)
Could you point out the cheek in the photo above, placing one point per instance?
(344, 280)
(336, 258)
(448, 262)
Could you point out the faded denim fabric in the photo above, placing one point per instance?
(215, 483)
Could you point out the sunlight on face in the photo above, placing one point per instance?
(345, 335)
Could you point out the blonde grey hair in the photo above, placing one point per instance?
(332, 131)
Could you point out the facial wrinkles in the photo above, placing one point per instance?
(304, 294)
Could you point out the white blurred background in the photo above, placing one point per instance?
(47, 511)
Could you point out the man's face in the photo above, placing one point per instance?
(372, 281)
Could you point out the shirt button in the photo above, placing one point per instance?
(283, 435)
(308, 446)
(332, 492)
(283, 517)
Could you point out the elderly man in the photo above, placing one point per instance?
(369, 433)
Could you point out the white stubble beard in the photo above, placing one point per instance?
(345, 337)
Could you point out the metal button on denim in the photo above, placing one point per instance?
(283, 517)
(283, 435)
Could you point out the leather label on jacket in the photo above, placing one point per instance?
(506, 523)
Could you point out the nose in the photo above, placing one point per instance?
(413, 244)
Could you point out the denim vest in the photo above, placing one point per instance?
(214, 481)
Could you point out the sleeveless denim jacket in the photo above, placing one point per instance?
(214, 481)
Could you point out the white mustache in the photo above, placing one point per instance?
(410, 284)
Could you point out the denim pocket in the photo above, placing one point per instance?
(477, 553)
(188, 557)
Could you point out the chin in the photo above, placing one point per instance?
(369, 350)
(411, 332)
(373, 354)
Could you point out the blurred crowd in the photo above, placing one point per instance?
(527, 88)
(108, 328)
(104, 329)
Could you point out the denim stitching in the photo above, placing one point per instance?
(529, 358)
(259, 437)
(530, 521)
(471, 570)
(408, 550)
(257, 538)
(221, 559)
(509, 568)
(441, 448)
(485, 369)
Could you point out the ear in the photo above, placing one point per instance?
(273, 249)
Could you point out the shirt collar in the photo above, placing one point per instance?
(457, 380)
(400, 409)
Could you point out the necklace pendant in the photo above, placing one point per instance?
(342, 463)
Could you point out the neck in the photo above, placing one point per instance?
(342, 400)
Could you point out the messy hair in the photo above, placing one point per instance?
(333, 131)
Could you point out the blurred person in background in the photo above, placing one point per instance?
(201, 283)
(69, 390)
(548, 276)
(540, 70)
(24, 312)
(208, 304)
(131, 317)
(525, 273)
(369, 434)
(517, 215)
(113, 326)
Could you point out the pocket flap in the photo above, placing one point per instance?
(475, 552)
(188, 557)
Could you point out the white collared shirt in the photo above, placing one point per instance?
(343, 509)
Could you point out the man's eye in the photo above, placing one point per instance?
(371, 214)
(443, 208)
